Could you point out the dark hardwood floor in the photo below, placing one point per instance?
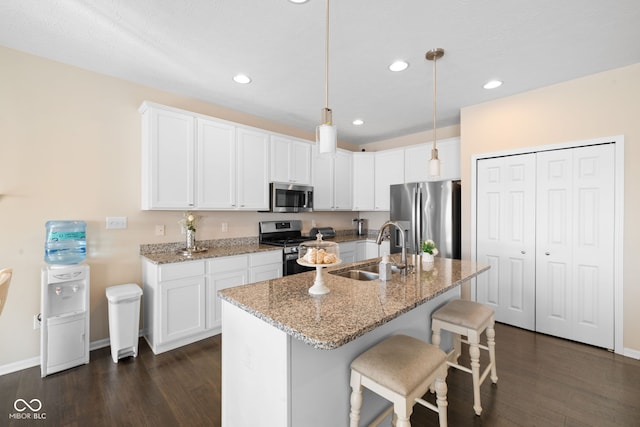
(543, 381)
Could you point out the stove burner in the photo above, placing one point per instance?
(283, 242)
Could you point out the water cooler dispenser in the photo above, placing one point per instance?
(64, 335)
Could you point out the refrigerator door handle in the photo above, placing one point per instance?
(417, 214)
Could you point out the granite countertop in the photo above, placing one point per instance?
(352, 307)
(166, 253)
(212, 252)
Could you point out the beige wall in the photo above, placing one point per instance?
(600, 105)
(70, 149)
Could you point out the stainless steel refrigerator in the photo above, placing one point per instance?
(427, 210)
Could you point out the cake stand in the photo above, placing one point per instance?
(318, 288)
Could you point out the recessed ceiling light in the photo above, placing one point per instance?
(399, 65)
(358, 122)
(492, 84)
(242, 79)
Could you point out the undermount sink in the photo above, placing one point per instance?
(357, 274)
(364, 272)
(367, 272)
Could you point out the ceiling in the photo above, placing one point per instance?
(195, 47)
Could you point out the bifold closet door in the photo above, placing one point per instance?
(506, 237)
(575, 245)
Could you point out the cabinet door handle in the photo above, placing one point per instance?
(523, 252)
(547, 253)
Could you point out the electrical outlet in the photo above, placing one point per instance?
(159, 230)
(116, 222)
(225, 227)
(36, 321)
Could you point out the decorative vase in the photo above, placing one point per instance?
(191, 240)
(427, 261)
(427, 258)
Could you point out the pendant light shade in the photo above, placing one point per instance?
(326, 132)
(434, 163)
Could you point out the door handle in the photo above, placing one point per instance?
(523, 252)
(547, 253)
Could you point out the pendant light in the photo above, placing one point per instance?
(434, 163)
(326, 132)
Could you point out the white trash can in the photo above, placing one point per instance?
(124, 318)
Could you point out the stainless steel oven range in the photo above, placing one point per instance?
(288, 235)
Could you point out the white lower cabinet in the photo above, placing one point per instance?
(368, 249)
(181, 305)
(265, 266)
(174, 304)
(182, 308)
(347, 252)
(223, 273)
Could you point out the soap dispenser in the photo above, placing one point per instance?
(384, 268)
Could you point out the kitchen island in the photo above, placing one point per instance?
(286, 354)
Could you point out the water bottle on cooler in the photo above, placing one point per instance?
(66, 242)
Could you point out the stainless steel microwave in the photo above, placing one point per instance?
(290, 197)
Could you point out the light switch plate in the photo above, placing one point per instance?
(116, 222)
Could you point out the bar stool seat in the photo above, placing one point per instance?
(401, 369)
(469, 319)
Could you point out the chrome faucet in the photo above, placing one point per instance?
(402, 236)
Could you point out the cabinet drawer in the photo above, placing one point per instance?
(180, 270)
(228, 263)
(265, 258)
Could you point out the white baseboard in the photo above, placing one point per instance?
(19, 365)
(35, 361)
(635, 354)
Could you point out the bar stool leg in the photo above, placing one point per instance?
(474, 353)
(491, 343)
(403, 411)
(435, 337)
(356, 399)
(457, 347)
(441, 399)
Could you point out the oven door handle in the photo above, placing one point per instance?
(291, 256)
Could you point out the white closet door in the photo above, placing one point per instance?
(506, 237)
(575, 224)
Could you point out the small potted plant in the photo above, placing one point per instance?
(429, 250)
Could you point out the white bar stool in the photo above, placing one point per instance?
(469, 319)
(401, 369)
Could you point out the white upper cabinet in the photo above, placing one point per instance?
(167, 159)
(331, 180)
(363, 181)
(416, 161)
(253, 169)
(290, 160)
(342, 173)
(191, 161)
(216, 165)
(389, 169)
